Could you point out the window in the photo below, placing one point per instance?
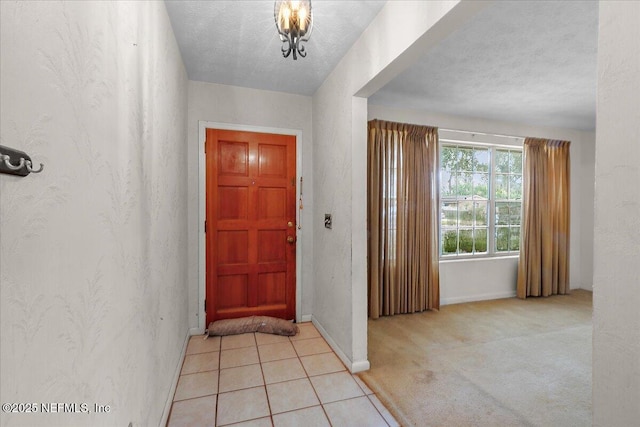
(508, 199)
(480, 193)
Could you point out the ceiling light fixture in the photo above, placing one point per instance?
(294, 23)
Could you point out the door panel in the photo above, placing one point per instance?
(233, 202)
(273, 161)
(250, 218)
(233, 159)
(270, 248)
(232, 291)
(233, 247)
(272, 203)
(270, 289)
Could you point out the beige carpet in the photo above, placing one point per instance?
(505, 362)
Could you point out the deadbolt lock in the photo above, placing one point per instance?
(290, 224)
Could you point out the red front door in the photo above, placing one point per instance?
(251, 233)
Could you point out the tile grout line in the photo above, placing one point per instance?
(264, 381)
(307, 376)
(309, 379)
(215, 412)
(316, 393)
(264, 385)
(359, 397)
(376, 408)
(192, 373)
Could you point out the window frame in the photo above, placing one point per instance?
(491, 201)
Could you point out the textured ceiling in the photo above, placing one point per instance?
(236, 42)
(524, 62)
(531, 62)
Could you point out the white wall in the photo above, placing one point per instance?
(93, 250)
(585, 161)
(616, 278)
(501, 274)
(339, 160)
(242, 106)
(477, 279)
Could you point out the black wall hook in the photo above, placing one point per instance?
(16, 162)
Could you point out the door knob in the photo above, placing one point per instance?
(290, 239)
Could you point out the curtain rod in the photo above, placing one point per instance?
(483, 133)
(477, 143)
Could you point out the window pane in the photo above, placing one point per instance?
(465, 162)
(449, 242)
(465, 211)
(502, 161)
(447, 184)
(466, 241)
(514, 213)
(480, 186)
(502, 187)
(474, 181)
(514, 239)
(465, 184)
(449, 158)
(449, 216)
(480, 237)
(502, 213)
(481, 160)
(502, 239)
(516, 161)
(481, 213)
(515, 187)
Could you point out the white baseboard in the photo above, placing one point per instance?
(353, 366)
(305, 318)
(174, 384)
(481, 297)
(360, 366)
(196, 331)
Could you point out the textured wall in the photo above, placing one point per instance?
(93, 250)
(586, 181)
(339, 159)
(616, 275)
(243, 106)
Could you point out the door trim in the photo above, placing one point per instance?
(202, 172)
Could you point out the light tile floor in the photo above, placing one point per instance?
(271, 380)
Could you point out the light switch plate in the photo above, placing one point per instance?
(327, 221)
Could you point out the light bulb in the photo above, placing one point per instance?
(302, 18)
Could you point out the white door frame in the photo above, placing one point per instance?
(202, 194)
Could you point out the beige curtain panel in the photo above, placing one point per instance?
(403, 218)
(543, 269)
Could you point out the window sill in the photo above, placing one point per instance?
(478, 258)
